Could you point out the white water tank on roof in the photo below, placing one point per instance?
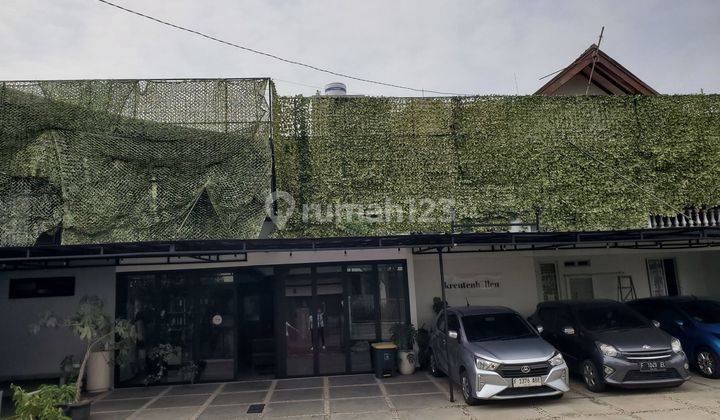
(335, 89)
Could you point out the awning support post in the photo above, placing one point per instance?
(445, 307)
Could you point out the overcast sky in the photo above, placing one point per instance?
(475, 47)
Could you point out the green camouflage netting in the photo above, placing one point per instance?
(125, 161)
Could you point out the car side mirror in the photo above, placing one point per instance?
(568, 330)
(453, 334)
(540, 329)
(679, 322)
(656, 324)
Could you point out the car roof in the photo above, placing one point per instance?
(481, 310)
(672, 299)
(577, 302)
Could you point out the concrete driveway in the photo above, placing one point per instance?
(414, 397)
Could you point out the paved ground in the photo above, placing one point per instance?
(403, 397)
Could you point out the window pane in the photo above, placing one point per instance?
(361, 299)
(548, 282)
(393, 297)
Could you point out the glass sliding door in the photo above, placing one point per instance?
(362, 315)
(214, 325)
(299, 332)
(186, 326)
(393, 298)
(328, 319)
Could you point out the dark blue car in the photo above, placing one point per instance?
(694, 321)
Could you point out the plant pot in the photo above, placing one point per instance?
(406, 362)
(99, 371)
(77, 411)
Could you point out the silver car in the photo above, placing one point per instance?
(493, 353)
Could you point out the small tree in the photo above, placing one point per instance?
(93, 326)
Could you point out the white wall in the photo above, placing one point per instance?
(518, 275)
(514, 272)
(23, 354)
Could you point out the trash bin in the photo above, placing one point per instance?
(384, 357)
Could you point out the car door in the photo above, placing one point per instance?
(453, 344)
(568, 344)
(438, 342)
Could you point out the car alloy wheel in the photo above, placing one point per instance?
(467, 389)
(591, 376)
(706, 363)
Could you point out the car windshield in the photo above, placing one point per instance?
(495, 327)
(704, 311)
(609, 317)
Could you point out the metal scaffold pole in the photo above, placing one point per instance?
(445, 321)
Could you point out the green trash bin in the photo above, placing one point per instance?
(384, 357)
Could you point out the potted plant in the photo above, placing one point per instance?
(403, 335)
(42, 404)
(423, 342)
(102, 336)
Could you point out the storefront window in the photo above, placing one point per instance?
(361, 301)
(393, 297)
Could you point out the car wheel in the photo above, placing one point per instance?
(466, 387)
(706, 362)
(434, 369)
(591, 376)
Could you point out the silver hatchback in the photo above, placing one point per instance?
(493, 353)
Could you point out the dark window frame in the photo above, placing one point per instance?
(58, 286)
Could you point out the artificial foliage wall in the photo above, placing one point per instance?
(583, 163)
(128, 161)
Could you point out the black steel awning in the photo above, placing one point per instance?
(233, 250)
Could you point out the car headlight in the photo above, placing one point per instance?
(608, 350)
(483, 364)
(676, 346)
(556, 360)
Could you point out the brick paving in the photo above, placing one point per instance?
(415, 397)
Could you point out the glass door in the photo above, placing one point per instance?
(314, 318)
(299, 331)
(214, 324)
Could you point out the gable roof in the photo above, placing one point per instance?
(609, 75)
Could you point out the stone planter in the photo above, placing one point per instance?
(406, 362)
(99, 371)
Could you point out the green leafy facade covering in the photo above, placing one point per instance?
(127, 161)
(584, 163)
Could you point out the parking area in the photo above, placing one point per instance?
(417, 396)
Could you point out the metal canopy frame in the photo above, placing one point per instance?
(233, 250)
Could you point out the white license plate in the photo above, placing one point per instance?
(526, 382)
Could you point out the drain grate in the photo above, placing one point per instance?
(256, 408)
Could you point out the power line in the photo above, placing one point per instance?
(276, 57)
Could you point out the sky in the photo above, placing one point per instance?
(463, 46)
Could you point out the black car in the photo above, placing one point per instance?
(608, 343)
(694, 321)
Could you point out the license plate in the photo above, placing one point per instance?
(526, 382)
(652, 366)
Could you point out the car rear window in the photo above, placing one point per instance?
(495, 327)
(704, 311)
(609, 317)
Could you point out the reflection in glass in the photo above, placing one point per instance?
(363, 331)
(393, 297)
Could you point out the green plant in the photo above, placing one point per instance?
(159, 356)
(438, 305)
(189, 371)
(42, 404)
(423, 342)
(93, 326)
(403, 335)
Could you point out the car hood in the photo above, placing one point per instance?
(634, 339)
(713, 328)
(513, 351)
